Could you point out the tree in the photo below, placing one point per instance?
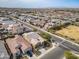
(46, 44)
(34, 30)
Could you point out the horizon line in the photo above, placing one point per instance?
(41, 7)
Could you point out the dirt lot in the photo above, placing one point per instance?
(70, 32)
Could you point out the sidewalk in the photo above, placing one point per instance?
(54, 46)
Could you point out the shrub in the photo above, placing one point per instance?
(69, 55)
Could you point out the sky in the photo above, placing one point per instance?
(39, 3)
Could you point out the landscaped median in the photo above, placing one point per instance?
(45, 36)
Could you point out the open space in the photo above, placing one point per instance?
(71, 32)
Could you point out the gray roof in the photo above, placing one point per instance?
(33, 35)
(3, 51)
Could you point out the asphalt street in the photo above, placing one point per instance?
(57, 53)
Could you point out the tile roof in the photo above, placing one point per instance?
(15, 42)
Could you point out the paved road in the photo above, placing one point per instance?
(66, 43)
(56, 39)
(71, 46)
(57, 53)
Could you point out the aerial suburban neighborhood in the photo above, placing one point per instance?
(50, 33)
